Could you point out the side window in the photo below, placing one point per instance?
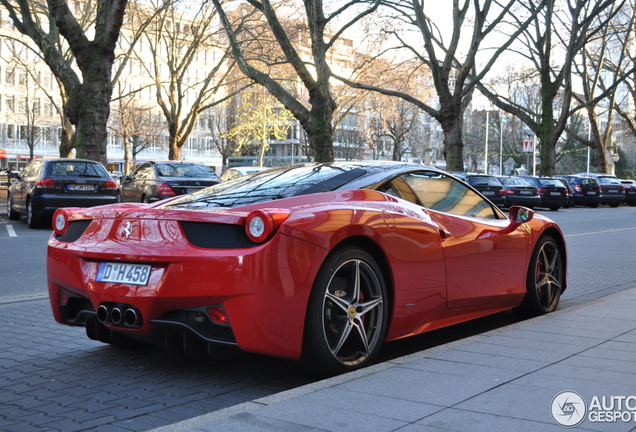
(442, 193)
(142, 172)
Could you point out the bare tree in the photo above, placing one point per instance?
(181, 40)
(88, 104)
(454, 75)
(551, 45)
(309, 57)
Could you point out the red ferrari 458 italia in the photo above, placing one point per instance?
(320, 263)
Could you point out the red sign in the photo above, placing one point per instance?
(528, 145)
(25, 157)
(3, 153)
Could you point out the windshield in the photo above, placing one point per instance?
(550, 182)
(608, 180)
(514, 181)
(77, 169)
(271, 185)
(185, 170)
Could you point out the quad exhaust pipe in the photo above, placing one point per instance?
(125, 316)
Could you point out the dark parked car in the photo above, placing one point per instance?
(154, 180)
(612, 190)
(236, 172)
(585, 190)
(552, 192)
(46, 185)
(630, 192)
(488, 185)
(569, 192)
(518, 191)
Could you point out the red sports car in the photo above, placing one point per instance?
(320, 263)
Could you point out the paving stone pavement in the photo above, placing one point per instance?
(505, 379)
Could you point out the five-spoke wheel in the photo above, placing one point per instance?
(544, 283)
(347, 314)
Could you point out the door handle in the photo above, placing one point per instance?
(444, 234)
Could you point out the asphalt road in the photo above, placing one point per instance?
(54, 378)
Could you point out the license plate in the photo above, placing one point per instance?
(131, 274)
(613, 191)
(591, 193)
(80, 187)
(488, 192)
(555, 193)
(525, 193)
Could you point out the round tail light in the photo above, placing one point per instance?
(261, 224)
(61, 221)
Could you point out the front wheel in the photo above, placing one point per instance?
(13, 215)
(347, 314)
(545, 279)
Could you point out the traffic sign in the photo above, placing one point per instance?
(3, 153)
(528, 145)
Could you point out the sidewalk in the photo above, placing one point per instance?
(506, 380)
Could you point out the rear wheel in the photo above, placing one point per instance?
(614, 204)
(594, 205)
(554, 208)
(13, 215)
(545, 279)
(347, 315)
(33, 221)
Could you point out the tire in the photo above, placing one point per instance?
(544, 282)
(144, 199)
(12, 214)
(32, 220)
(594, 205)
(614, 205)
(554, 208)
(347, 314)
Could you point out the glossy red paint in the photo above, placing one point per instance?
(264, 289)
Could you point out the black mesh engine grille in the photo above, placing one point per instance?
(217, 236)
(74, 231)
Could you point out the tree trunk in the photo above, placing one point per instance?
(93, 109)
(453, 145)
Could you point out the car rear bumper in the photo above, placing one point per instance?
(45, 205)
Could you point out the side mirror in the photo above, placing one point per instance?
(519, 215)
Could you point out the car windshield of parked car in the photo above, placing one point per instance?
(608, 181)
(77, 169)
(483, 181)
(550, 182)
(270, 185)
(185, 170)
(514, 181)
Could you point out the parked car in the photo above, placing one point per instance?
(552, 192)
(488, 185)
(517, 191)
(630, 192)
(236, 172)
(320, 263)
(612, 190)
(48, 184)
(585, 190)
(157, 180)
(568, 191)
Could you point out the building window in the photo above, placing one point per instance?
(10, 77)
(22, 78)
(10, 103)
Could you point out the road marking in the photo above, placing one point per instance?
(612, 231)
(11, 231)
